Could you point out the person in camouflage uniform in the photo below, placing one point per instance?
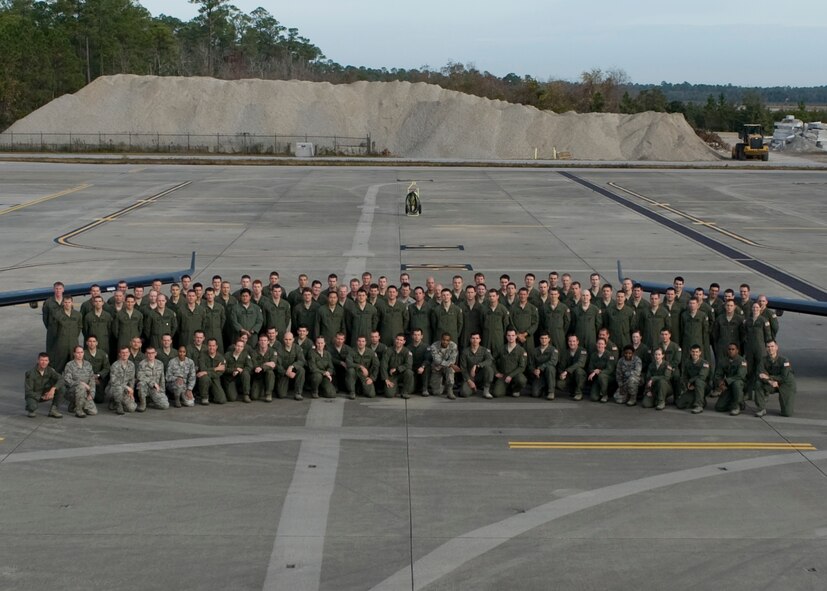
(79, 384)
(180, 379)
(122, 383)
(150, 382)
(628, 373)
(443, 366)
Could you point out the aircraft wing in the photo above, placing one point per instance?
(813, 307)
(32, 296)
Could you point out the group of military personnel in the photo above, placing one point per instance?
(146, 348)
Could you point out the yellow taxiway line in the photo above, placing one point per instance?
(692, 218)
(44, 198)
(65, 239)
(661, 445)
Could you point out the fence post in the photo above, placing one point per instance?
(275, 144)
(70, 143)
(368, 144)
(217, 143)
(188, 142)
(42, 149)
(129, 144)
(12, 141)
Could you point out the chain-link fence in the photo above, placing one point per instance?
(189, 143)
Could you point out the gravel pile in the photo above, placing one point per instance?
(408, 120)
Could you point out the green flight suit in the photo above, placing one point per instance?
(602, 383)
(344, 375)
(471, 322)
(694, 380)
(695, 331)
(392, 321)
(262, 377)
(247, 318)
(651, 323)
(329, 322)
(586, 324)
(449, 321)
(420, 317)
(37, 384)
(368, 360)
(233, 383)
(525, 319)
(556, 322)
(396, 367)
(211, 383)
(98, 326)
(317, 366)
(477, 367)
(100, 367)
(277, 315)
(361, 322)
(420, 358)
(305, 316)
(726, 331)
(661, 377)
(511, 364)
(50, 307)
(574, 365)
(732, 372)
(66, 329)
(294, 357)
(781, 371)
(188, 322)
(126, 327)
(157, 325)
(675, 319)
(757, 333)
(544, 360)
(494, 324)
(215, 320)
(620, 322)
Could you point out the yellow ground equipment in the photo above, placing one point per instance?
(751, 144)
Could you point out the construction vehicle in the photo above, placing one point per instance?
(751, 144)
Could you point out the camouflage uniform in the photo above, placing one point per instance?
(442, 374)
(75, 378)
(180, 378)
(148, 376)
(121, 376)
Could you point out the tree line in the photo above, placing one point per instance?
(52, 47)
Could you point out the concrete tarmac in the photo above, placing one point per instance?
(427, 493)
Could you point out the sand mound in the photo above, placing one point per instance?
(410, 120)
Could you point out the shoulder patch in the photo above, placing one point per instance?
(706, 364)
(611, 358)
(786, 364)
(743, 364)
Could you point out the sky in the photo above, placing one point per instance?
(760, 43)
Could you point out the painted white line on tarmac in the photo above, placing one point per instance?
(451, 555)
(296, 560)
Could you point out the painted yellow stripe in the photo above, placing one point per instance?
(692, 218)
(667, 448)
(64, 240)
(44, 198)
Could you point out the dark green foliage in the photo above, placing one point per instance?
(52, 47)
